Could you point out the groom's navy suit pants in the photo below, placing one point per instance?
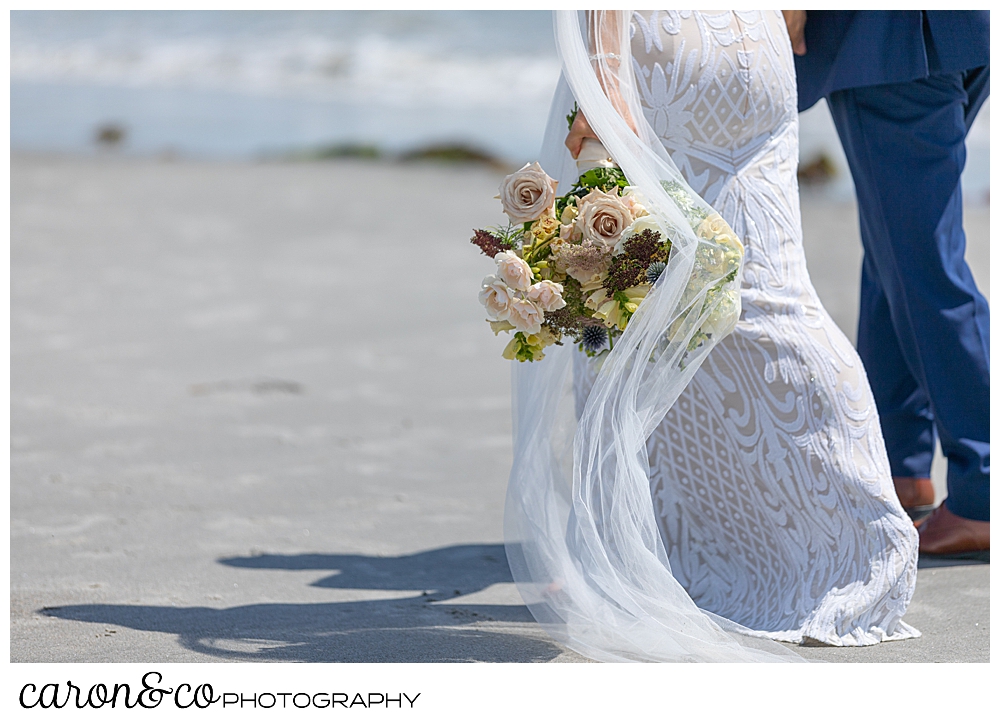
(923, 332)
(904, 87)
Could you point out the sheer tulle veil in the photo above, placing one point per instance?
(582, 539)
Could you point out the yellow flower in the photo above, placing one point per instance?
(614, 312)
(610, 312)
(595, 300)
(528, 347)
(595, 282)
(542, 339)
(637, 293)
(498, 326)
(545, 228)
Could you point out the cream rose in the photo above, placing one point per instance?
(547, 295)
(715, 228)
(496, 297)
(602, 218)
(634, 202)
(712, 226)
(527, 194)
(723, 320)
(525, 316)
(513, 270)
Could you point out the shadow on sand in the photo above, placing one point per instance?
(428, 627)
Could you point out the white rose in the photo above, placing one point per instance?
(547, 295)
(496, 297)
(527, 194)
(525, 316)
(513, 270)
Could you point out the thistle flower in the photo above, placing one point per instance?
(595, 338)
(655, 269)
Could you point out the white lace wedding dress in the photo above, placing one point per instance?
(768, 477)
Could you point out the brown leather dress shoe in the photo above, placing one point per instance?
(946, 535)
(916, 495)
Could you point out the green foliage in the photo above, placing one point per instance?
(678, 192)
(510, 236)
(606, 179)
(572, 115)
(524, 351)
(562, 202)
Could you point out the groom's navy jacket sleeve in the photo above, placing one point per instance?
(855, 48)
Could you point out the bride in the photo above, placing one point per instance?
(671, 504)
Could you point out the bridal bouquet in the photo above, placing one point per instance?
(578, 266)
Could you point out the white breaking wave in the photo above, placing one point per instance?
(403, 69)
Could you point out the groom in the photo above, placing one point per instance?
(903, 88)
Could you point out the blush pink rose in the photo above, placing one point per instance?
(513, 270)
(525, 316)
(547, 295)
(496, 297)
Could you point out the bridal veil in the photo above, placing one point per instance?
(582, 539)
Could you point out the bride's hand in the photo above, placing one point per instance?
(579, 131)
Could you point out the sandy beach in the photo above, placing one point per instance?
(256, 415)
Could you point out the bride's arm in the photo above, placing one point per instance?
(795, 21)
(605, 31)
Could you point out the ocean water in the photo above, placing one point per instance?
(224, 84)
(235, 84)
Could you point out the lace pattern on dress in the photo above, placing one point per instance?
(769, 475)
